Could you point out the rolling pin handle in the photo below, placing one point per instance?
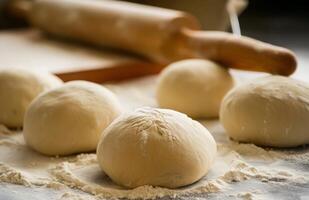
(240, 52)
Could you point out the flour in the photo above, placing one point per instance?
(244, 172)
(239, 171)
(246, 196)
(10, 175)
(4, 129)
(72, 196)
(250, 150)
(73, 173)
(64, 172)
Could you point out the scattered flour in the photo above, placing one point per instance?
(74, 171)
(246, 196)
(10, 175)
(239, 170)
(4, 129)
(64, 172)
(244, 172)
(73, 196)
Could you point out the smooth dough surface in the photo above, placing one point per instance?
(194, 87)
(70, 119)
(18, 87)
(158, 147)
(269, 111)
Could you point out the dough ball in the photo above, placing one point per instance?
(69, 119)
(195, 87)
(269, 111)
(158, 147)
(18, 87)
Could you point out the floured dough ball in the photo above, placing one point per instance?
(269, 111)
(18, 87)
(69, 119)
(158, 147)
(195, 87)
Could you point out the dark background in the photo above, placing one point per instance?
(284, 23)
(280, 22)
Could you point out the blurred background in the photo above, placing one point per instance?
(280, 22)
(284, 22)
(263, 19)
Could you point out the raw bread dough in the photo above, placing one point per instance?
(158, 147)
(269, 111)
(195, 87)
(70, 119)
(18, 87)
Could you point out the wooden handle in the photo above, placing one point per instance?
(240, 52)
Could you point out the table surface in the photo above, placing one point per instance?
(140, 92)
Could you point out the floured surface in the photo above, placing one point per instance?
(241, 171)
(34, 50)
(30, 48)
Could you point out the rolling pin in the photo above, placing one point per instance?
(162, 35)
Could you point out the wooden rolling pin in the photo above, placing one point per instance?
(162, 35)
